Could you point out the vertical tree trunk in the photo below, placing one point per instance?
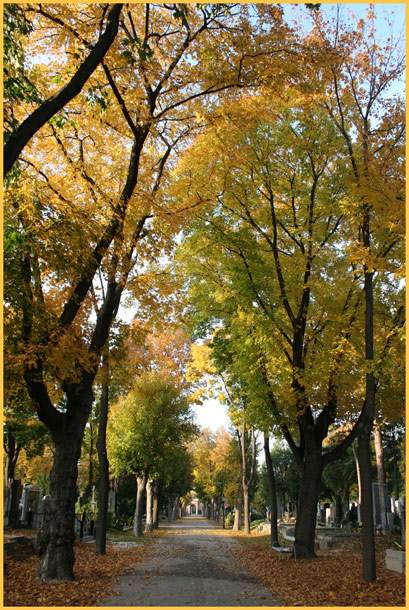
(88, 489)
(12, 452)
(364, 437)
(271, 491)
(310, 482)
(155, 508)
(247, 479)
(141, 479)
(170, 505)
(55, 540)
(380, 467)
(103, 485)
(368, 540)
(149, 506)
(239, 506)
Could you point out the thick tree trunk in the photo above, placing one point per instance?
(310, 482)
(170, 507)
(141, 480)
(271, 491)
(103, 486)
(149, 506)
(55, 540)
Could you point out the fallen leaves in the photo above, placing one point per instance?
(95, 576)
(333, 579)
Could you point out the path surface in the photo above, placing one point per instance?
(192, 566)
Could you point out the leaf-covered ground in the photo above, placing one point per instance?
(95, 575)
(333, 579)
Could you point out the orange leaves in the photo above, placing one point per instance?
(95, 576)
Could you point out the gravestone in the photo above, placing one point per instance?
(112, 501)
(380, 516)
(29, 500)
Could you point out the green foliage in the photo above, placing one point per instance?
(145, 426)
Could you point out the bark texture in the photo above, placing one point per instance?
(141, 480)
(149, 506)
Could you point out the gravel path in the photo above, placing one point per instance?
(191, 567)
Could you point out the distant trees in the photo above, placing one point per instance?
(146, 429)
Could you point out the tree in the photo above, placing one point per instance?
(272, 254)
(357, 99)
(103, 202)
(144, 427)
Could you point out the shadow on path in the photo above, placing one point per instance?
(191, 567)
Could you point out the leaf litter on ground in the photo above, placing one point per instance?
(95, 576)
(334, 578)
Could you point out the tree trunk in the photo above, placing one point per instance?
(55, 540)
(247, 479)
(364, 437)
(358, 473)
(170, 506)
(149, 506)
(155, 508)
(239, 506)
(380, 467)
(368, 540)
(309, 489)
(103, 485)
(271, 491)
(141, 479)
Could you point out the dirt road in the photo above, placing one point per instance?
(192, 566)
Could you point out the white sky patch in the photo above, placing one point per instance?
(211, 414)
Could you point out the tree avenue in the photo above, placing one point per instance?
(84, 205)
(273, 161)
(281, 252)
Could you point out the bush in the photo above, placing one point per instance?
(114, 522)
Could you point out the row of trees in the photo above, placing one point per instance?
(289, 192)
(294, 260)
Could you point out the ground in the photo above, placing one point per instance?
(188, 565)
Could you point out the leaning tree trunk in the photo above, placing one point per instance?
(271, 491)
(149, 506)
(358, 473)
(103, 486)
(55, 540)
(141, 479)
